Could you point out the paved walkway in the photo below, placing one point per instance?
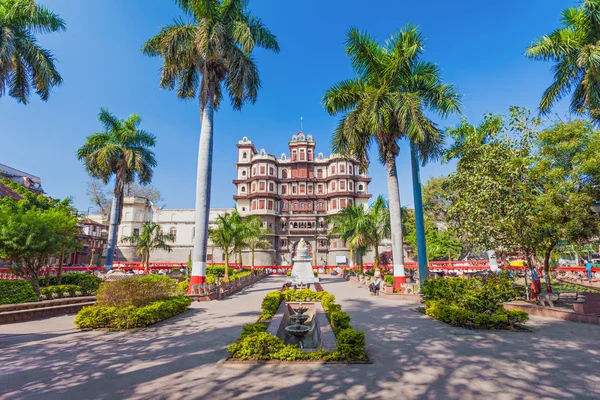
(414, 357)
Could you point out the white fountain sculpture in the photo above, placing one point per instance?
(302, 272)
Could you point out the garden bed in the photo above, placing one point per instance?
(256, 346)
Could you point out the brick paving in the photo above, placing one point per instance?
(414, 357)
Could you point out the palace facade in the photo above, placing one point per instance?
(293, 195)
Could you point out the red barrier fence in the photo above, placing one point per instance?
(468, 266)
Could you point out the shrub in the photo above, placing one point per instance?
(183, 286)
(17, 291)
(251, 329)
(339, 320)
(351, 345)
(60, 291)
(290, 353)
(315, 273)
(136, 291)
(88, 282)
(113, 318)
(269, 306)
(211, 279)
(51, 279)
(258, 346)
(389, 280)
(516, 317)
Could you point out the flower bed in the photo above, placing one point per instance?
(133, 303)
(254, 344)
(473, 303)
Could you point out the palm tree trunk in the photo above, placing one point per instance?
(226, 265)
(60, 266)
(147, 260)
(253, 258)
(376, 256)
(419, 219)
(112, 230)
(396, 223)
(203, 183)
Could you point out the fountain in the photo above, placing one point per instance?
(298, 330)
(302, 272)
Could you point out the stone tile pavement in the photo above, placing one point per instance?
(414, 357)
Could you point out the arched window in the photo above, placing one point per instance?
(173, 232)
(283, 189)
(360, 188)
(284, 174)
(244, 173)
(350, 169)
(243, 188)
(244, 155)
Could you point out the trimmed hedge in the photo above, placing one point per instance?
(16, 291)
(255, 344)
(60, 291)
(88, 282)
(113, 318)
(472, 302)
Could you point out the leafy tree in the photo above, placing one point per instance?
(492, 193)
(386, 102)
(23, 63)
(150, 238)
(123, 152)
(435, 199)
(32, 230)
(204, 58)
(574, 50)
(567, 172)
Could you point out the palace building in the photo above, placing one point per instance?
(293, 195)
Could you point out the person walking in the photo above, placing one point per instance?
(377, 285)
(588, 269)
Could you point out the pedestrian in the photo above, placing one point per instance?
(377, 284)
(588, 269)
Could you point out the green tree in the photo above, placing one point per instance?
(255, 238)
(344, 227)
(374, 226)
(32, 230)
(492, 193)
(386, 102)
(574, 50)
(121, 152)
(150, 238)
(435, 199)
(567, 173)
(224, 236)
(204, 58)
(23, 63)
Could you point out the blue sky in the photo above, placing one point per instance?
(478, 45)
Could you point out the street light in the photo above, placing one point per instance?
(596, 206)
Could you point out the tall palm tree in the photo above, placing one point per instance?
(574, 50)
(344, 225)
(23, 63)
(256, 234)
(224, 236)
(123, 152)
(386, 102)
(151, 238)
(204, 57)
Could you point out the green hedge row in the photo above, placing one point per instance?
(88, 282)
(113, 318)
(60, 291)
(16, 291)
(255, 344)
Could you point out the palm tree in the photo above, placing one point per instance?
(374, 226)
(574, 50)
(205, 57)
(386, 102)
(151, 238)
(224, 236)
(344, 225)
(121, 151)
(255, 238)
(23, 63)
